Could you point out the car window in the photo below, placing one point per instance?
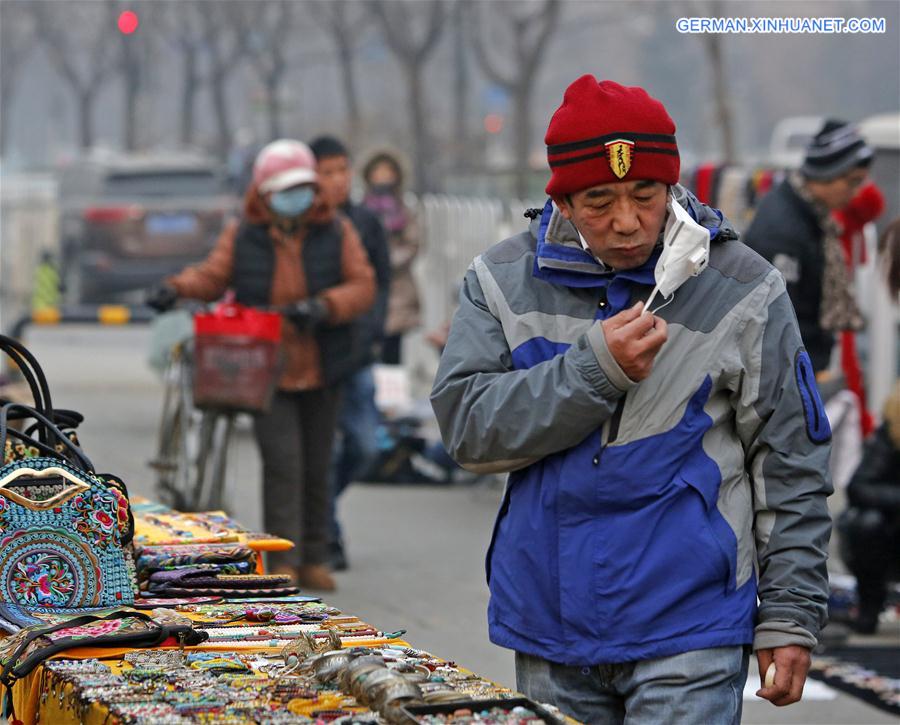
(798, 140)
(163, 183)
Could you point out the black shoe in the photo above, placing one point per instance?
(338, 557)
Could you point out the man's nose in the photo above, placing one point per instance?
(625, 220)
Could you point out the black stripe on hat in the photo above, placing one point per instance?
(602, 155)
(845, 145)
(563, 148)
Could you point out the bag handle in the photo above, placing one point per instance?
(49, 425)
(33, 374)
(29, 441)
(62, 417)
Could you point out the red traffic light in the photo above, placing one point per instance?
(493, 123)
(128, 22)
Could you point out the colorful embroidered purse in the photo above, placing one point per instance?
(63, 530)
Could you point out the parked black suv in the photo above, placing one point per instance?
(128, 221)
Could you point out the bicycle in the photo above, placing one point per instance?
(192, 451)
(193, 443)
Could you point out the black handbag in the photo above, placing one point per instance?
(23, 444)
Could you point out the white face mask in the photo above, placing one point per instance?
(685, 252)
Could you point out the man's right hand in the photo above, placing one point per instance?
(634, 340)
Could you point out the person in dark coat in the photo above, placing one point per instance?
(793, 229)
(356, 446)
(870, 527)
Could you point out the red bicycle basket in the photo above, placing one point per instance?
(237, 358)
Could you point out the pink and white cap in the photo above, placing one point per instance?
(282, 164)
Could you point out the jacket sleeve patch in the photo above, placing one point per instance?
(817, 426)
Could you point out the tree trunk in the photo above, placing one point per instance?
(272, 105)
(348, 82)
(131, 79)
(220, 109)
(6, 93)
(460, 86)
(188, 93)
(720, 89)
(522, 143)
(85, 120)
(421, 149)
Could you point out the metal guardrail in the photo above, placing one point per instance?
(84, 314)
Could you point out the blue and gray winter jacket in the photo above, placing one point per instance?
(640, 519)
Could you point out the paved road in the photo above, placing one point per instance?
(416, 552)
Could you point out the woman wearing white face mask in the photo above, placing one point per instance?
(291, 250)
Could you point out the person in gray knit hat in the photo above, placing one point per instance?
(794, 230)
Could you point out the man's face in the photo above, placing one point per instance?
(620, 221)
(334, 179)
(837, 193)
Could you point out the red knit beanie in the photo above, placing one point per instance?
(604, 132)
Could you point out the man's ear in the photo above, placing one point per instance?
(562, 203)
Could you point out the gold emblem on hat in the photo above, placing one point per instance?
(619, 153)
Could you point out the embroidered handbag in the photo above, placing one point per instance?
(63, 530)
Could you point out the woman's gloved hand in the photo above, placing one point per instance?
(162, 298)
(307, 314)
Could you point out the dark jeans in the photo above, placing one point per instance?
(702, 686)
(357, 444)
(390, 349)
(870, 547)
(295, 439)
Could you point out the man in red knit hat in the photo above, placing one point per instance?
(639, 373)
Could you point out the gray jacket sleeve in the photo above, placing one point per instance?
(494, 418)
(787, 461)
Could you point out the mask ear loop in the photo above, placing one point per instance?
(667, 302)
(650, 299)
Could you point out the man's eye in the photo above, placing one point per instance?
(601, 207)
(643, 198)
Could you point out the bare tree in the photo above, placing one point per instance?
(76, 39)
(223, 28)
(461, 17)
(400, 22)
(530, 29)
(343, 21)
(715, 60)
(183, 30)
(16, 41)
(136, 51)
(266, 43)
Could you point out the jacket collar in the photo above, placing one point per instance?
(560, 259)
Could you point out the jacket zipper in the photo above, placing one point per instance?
(612, 430)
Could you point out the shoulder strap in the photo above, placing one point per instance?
(34, 376)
